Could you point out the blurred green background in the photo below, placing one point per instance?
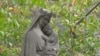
(15, 18)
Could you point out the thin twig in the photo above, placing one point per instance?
(87, 14)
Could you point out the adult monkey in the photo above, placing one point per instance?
(34, 40)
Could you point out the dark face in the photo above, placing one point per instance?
(45, 17)
(47, 30)
(44, 21)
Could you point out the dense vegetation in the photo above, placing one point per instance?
(15, 19)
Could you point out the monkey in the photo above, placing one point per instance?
(34, 39)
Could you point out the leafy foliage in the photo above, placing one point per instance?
(15, 19)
